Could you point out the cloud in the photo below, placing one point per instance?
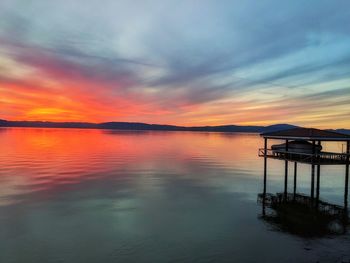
(180, 61)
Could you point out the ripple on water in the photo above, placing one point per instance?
(97, 196)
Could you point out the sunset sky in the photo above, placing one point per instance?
(176, 62)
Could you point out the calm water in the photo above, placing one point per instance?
(71, 195)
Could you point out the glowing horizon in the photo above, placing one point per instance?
(179, 63)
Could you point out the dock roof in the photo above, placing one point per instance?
(307, 134)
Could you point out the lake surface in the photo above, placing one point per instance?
(70, 195)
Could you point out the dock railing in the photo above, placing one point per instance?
(317, 158)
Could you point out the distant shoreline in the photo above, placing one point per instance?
(128, 130)
(136, 126)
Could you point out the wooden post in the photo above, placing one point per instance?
(265, 177)
(347, 175)
(265, 165)
(318, 182)
(312, 181)
(318, 176)
(313, 172)
(295, 179)
(286, 172)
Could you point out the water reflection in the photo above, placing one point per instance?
(100, 196)
(45, 159)
(302, 215)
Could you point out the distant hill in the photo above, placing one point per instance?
(344, 131)
(144, 126)
(47, 124)
(150, 127)
(278, 127)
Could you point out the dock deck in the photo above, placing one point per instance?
(322, 158)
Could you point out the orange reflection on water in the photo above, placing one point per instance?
(36, 159)
(39, 159)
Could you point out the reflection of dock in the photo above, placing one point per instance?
(301, 215)
(278, 199)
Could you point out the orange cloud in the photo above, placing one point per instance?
(57, 89)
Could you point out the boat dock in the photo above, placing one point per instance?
(303, 145)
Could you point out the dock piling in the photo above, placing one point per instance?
(295, 179)
(286, 173)
(347, 175)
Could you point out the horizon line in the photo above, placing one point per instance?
(186, 126)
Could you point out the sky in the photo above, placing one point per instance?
(176, 62)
